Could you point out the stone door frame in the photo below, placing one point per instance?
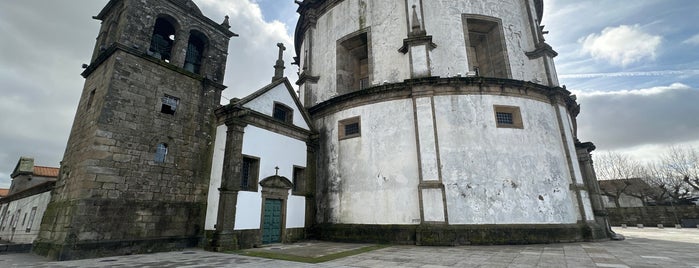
(277, 188)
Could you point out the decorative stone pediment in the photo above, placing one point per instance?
(276, 182)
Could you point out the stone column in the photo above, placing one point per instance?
(590, 179)
(224, 237)
(179, 48)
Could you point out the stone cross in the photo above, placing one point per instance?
(276, 171)
(279, 67)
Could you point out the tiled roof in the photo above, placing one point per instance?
(46, 171)
(4, 192)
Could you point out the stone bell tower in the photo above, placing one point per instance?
(134, 175)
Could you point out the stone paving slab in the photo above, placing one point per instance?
(648, 247)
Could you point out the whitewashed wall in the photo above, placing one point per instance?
(265, 104)
(371, 179)
(215, 180)
(443, 20)
(502, 175)
(274, 150)
(20, 234)
(388, 29)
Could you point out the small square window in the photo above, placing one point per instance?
(169, 104)
(283, 113)
(249, 174)
(508, 116)
(349, 128)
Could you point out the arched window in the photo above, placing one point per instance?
(195, 52)
(160, 153)
(162, 40)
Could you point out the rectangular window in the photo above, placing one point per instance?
(283, 113)
(169, 104)
(299, 178)
(160, 153)
(353, 59)
(508, 116)
(485, 46)
(31, 219)
(90, 98)
(249, 174)
(349, 128)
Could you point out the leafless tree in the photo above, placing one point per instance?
(683, 162)
(615, 166)
(619, 169)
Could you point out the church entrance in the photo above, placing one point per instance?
(272, 221)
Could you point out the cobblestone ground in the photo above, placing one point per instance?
(649, 247)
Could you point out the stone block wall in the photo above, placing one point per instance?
(652, 216)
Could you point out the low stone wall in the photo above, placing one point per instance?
(454, 235)
(688, 216)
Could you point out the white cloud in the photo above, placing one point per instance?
(621, 45)
(622, 120)
(252, 54)
(694, 40)
(639, 92)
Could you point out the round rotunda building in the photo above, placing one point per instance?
(441, 123)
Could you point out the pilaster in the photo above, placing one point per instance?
(224, 238)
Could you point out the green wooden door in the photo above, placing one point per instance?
(272, 226)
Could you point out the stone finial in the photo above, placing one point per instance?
(279, 66)
(276, 171)
(416, 26)
(226, 23)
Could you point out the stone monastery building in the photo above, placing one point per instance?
(434, 122)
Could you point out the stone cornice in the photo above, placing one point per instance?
(304, 77)
(188, 7)
(417, 40)
(437, 86)
(234, 114)
(542, 49)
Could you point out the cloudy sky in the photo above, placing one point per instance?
(634, 66)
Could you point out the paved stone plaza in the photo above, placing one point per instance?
(648, 247)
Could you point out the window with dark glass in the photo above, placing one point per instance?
(283, 113)
(249, 174)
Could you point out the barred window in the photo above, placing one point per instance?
(349, 128)
(504, 118)
(508, 116)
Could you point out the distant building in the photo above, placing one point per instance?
(22, 209)
(4, 192)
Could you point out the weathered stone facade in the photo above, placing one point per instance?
(134, 176)
(454, 114)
